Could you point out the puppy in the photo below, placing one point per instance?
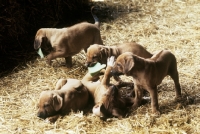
(70, 94)
(108, 101)
(148, 73)
(66, 42)
(99, 53)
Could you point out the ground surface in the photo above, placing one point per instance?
(173, 25)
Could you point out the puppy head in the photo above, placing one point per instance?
(107, 106)
(96, 53)
(123, 64)
(49, 104)
(40, 38)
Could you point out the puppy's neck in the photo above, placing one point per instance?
(60, 92)
(139, 63)
(107, 76)
(114, 51)
(143, 65)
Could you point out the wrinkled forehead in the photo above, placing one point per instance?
(45, 96)
(39, 32)
(93, 49)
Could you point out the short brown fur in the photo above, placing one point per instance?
(148, 73)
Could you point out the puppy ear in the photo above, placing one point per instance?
(37, 43)
(129, 63)
(60, 84)
(57, 102)
(104, 51)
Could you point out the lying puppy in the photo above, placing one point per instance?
(108, 102)
(148, 73)
(70, 94)
(99, 53)
(67, 42)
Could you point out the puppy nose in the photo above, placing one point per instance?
(87, 64)
(41, 115)
(90, 64)
(112, 72)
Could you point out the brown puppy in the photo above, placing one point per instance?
(70, 94)
(67, 42)
(108, 101)
(148, 73)
(99, 53)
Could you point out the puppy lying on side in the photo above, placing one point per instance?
(98, 53)
(67, 42)
(69, 94)
(148, 73)
(108, 101)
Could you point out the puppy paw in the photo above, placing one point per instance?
(52, 119)
(156, 113)
(48, 61)
(68, 65)
(134, 107)
(179, 99)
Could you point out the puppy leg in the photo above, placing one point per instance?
(98, 39)
(53, 55)
(138, 97)
(60, 84)
(117, 113)
(53, 119)
(154, 100)
(177, 86)
(68, 61)
(175, 76)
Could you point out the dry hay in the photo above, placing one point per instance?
(167, 24)
(20, 19)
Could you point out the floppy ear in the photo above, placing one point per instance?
(60, 84)
(78, 87)
(129, 63)
(57, 102)
(37, 43)
(103, 52)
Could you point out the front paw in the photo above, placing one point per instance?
(134, 106)
(48, 60)
(68, 65)
(155, 113)
(52, 119)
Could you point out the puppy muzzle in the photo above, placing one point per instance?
(42, 115)
(90, 64)
(115, 73)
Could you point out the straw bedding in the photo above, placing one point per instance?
(173, 25)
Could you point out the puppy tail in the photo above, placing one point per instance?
(97, 23)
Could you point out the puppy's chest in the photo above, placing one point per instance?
(100, 93)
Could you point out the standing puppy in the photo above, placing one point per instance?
(67, 42)
(99, 53)
(148, 73)
(70, 94)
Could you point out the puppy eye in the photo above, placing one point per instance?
(46, 105)
(118, 65)
(94, 57)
